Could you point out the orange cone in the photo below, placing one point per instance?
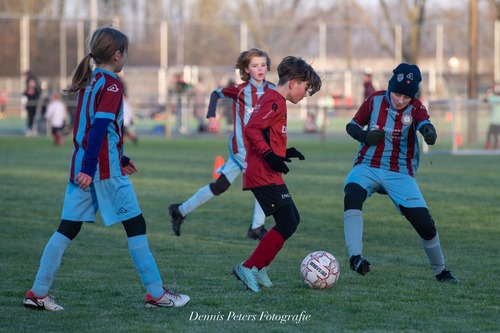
(219, 161)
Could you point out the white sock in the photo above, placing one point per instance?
(434, 253)
(199, 198)
(353, 231)
(259, 218)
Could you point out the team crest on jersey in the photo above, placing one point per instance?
(407, 119)
(113, 88)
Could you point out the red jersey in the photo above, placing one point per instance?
(266, 130)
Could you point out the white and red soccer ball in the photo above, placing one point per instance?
(320, 270)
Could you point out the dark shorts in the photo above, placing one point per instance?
(272, 197)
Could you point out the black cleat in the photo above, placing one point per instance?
(176, 218)
(360, 264)
(256, 233)
(446, 276)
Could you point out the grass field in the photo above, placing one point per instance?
(101, 291)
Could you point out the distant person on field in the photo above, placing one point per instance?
(4, 100)
(368, 87)
(494, 129)
(253, 66)
(198, 95)
(128, 119)
(32, 94)
(266, 134)
(98, 178)
(386, 125)
(57, 114)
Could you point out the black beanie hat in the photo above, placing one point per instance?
(405, 80)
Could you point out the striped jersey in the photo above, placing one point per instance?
(399, 151)
(244, 96)
(101, 98)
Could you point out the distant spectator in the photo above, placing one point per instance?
(128, 120)
(32, 93)
(494, 129)
(198, 95)
(56, 114)
(4, 99)
(368, 84)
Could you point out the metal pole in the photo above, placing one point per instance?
(496, 57)
(398, 43)
(243, 36)
(322, 44)
(62, 55)
(25, 43)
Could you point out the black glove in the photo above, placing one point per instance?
(293, 152)
(374, 137)
(277, 163)
(429, 133)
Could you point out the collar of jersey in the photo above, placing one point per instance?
(105, 71)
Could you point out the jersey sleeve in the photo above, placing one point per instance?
(421, 114)
(362, 116)
(110, 100)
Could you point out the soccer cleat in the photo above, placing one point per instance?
(256, 233)
(176, 218)
(247, 276)
(31, 301)
(446, 276)
(168, 299)
(360, 264)
(262, 277)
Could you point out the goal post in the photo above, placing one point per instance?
(461, 125)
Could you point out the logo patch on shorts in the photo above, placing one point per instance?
(121, 211)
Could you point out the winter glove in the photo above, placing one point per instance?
(277, 163)
(374, 137)
(293, 152)
(429, 133)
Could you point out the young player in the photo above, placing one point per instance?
(265, 165)
(253, 66)
(56, 114)
(386, 163)
(99, 172)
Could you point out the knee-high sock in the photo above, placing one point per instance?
(266, 250)
(353, 231)
(146, 265)
(49, 263)
(199, 198)
(259, 218)
(434, 253)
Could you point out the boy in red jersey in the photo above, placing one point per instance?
(386, 163)
(265, 165)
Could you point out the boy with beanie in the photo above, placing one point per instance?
(386, 163)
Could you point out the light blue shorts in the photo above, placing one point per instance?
(232, 168)
(402, 189)
(114, 198)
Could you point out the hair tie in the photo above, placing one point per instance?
(91, 55)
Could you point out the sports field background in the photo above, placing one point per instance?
(101, 291)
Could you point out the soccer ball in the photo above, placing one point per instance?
(320, 270)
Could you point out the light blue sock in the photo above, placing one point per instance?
(49, 263)
(145, 264)
(432, 248)
(353, 231)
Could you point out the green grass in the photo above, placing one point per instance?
(101, 291)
